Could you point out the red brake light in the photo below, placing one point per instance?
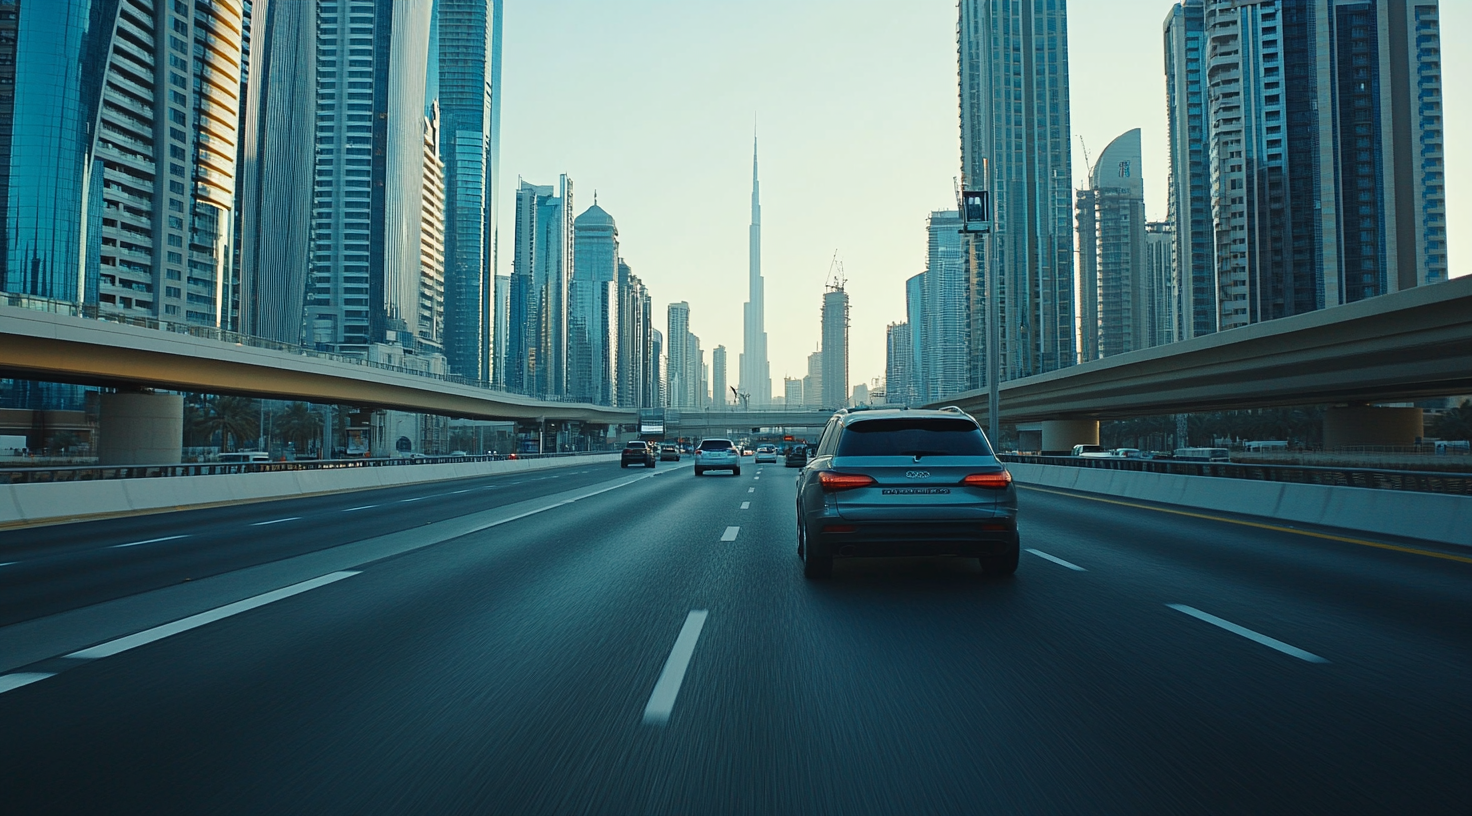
(995, 481)
(843, 481)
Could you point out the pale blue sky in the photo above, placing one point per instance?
(651, 104)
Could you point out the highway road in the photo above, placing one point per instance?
(597, 640)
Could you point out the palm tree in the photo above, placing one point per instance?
(299, 425)
(234, 418)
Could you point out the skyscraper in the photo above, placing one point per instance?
(430, 328)
(593, 325)
(915, 317)
(719, 395)
(1014, 119)
(537, 354)
(812, 384)
(945, 333)
(634, 373)
(1113, 270)
(372, 64)
(657, 368)
(792, 392)
(1160, 277)
(467, 59)
(756, 378)
(679, 391)
(1189, 186)
(835, 346)
(279, 139)
(898, 358)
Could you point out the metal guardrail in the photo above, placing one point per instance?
(90, 473)
(1457, 484)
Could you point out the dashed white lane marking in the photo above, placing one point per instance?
(750, 490)
(1056, 560)
(458, 492)
(276, 521)
(15, 681)
(1256, 637)
(149, 541)
(364, 507)
(730, 534)
(667, 688)
(8, 563)
(123, 644)
(416, 498)
(746, 505)
(756, 478)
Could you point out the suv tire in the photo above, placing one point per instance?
(736, 471)
(815, 567)
(699, 471)
(1002, 565)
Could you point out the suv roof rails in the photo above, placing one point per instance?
(951, 409)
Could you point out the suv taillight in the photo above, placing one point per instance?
(996, 481)
(833, 482)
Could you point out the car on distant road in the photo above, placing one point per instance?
(797, 456)
(638, 452)
(766, 453)
(717, 454)
(1089, 450)
(905, 483)
(669, 453)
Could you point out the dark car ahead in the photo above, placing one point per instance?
(797, 456)
(669, 453)
(638, 452)
(905, 483)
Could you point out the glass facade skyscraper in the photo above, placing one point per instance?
(1114, 294)
(945, 331)
(1189, 188)
(1015, 137)
(537, 349)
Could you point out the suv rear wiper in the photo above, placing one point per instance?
(918, 454)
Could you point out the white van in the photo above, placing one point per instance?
(1266, 445)
(1203, 455)
(243, 457)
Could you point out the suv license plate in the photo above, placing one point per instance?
(915, 491)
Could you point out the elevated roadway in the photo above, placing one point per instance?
(1407, 345)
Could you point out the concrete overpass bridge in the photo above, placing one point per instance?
(718, 422)
(1408, 345)
(65, 346)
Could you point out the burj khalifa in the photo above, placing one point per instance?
(756, 378)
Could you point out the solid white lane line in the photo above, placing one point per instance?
(364, 507)
(1056, 560)
(746, 505)
(1271, 643)
(149, 541)
(276, 521)
(123, 644)
(730, 534)
(750, 490)
(667, 688)
(15, 681)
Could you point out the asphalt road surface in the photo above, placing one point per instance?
(597, 640)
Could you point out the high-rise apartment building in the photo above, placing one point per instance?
(835, 346)
(1189, 184)
(1015, 121)
(915, 318)
(812, 384)
(500, 322)
(792, 392)
(1114, 294)
(945, 334)
(658, 367)
(430, 329)
(537, 349)
(679, 390)
(1160, 280)
(899, 357)
(755, 376)
(719, 395)
(634, 371)
(1325, 152)
(372, 63)
(468, 60)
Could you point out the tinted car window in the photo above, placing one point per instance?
(715, 444)
(919, 436)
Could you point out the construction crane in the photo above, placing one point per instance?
(1088, 165)
(836, 280)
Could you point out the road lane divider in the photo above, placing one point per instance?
(662, 699)
(750, 490)
(416, 498)
(15, 680)
(1255, 637)
(730, 534)
(364, 507)
(276, 521)
(746, 505)
(150, 541)
(1056, 560)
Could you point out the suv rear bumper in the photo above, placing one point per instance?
(842, 538)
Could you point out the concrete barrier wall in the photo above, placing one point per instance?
(1430, 516)
(26, 504)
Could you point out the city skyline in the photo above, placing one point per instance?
(703, 142)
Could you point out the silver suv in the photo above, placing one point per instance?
(905, 482)
(717, 454)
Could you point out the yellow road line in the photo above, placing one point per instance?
(1276, 528)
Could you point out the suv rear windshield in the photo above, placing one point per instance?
(715, 444)
(918, 436)
(637, 444)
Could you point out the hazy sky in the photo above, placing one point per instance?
(652, 104)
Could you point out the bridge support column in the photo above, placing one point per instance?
(1060, 435)
(140, 428)
(1365, 425)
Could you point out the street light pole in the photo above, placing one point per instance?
(976, 219)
